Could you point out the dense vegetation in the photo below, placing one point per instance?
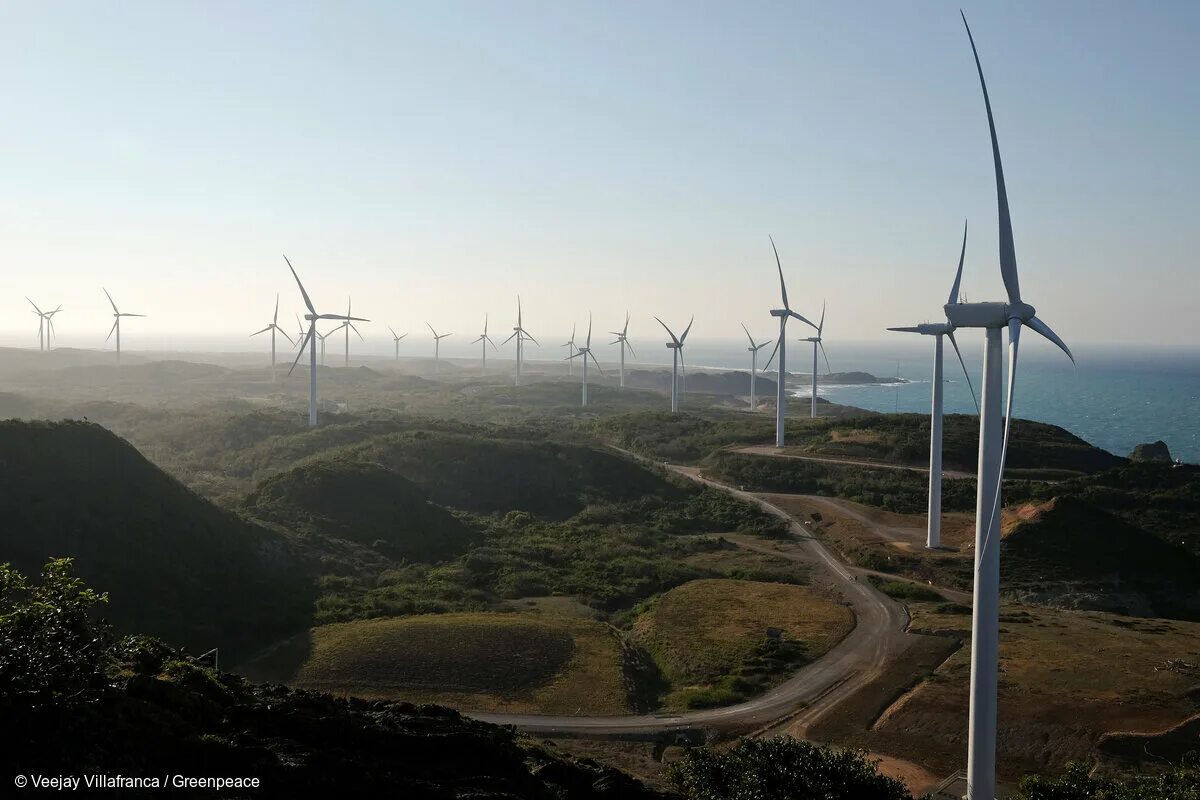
(1179, 782)
(178, 566)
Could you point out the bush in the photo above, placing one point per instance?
(782, 769)
(1182, 782)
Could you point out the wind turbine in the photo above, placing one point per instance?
(396, 340)
(676, 346)
(45, 325)
(933, 538)
(781, 348)
(116, 323)
(273, 328)
(993, 450)
(521, 335)
(753, 350)
(349, 326)
(322, 337)
(623, 340)
(570, 343)
(586, 352)
(485, 340)
(816, 342)
(310, 338)
(437, 347)
(301, 331)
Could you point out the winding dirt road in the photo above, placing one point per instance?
(878, 636)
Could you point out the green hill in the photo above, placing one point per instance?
(177, 566)
(364, 503)
(1069, 553)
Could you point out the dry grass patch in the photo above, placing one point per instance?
(530, 662)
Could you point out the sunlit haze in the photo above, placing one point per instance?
(434, 161)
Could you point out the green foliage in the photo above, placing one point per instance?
(1181, 782)
(782, 769)
(904, 590)
(51, 648)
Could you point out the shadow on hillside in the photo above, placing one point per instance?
(280, 662)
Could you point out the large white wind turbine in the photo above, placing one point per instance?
(310, 338)
(993, 450)
(396, 340)
(676, 348)
(781, 349)
(45, 325)
(273, 327)
(585, 353)
(753, 349)
(349, 326)
(437, 348)
(484, 340)
(116, 323)
(933, 537)
(623, 340)
(521, 335)
(570, 344)
(816, 342)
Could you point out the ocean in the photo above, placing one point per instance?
(1116, 398)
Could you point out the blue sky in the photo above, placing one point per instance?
(434, 159)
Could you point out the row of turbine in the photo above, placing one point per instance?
(46, 324)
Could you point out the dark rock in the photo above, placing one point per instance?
(1154, 451)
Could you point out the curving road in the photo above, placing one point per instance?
(877, 637)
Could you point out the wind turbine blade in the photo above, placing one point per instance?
(488, 339)
(821, 325)
(668, 330)
(264, 330)
(589, 336)
(353, 328)
(485, 320)
(1044, 330)
(113, 328)
(774, 350)
(782, 288)
(283, 333)
(303, 293)
(431, 330)
(748, 336)
(625, 330)
(275, 317)
(805, 320)
(132, 315)
(576, 354)
(308, 337)
(828, 369)
(683, 338)
(958, 276)
(518, 311)
(510, 338)
(594, 361)
(110, 300)
(627, 344)
(1008, 254)
(1014, 339)
(477, 341)
(35, 308)
(530, 337)
(966, 374)
(392, 332)
(909, 329)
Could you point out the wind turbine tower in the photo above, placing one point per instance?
(676, 348)
(933, 537)
(273, 327)
(45, 325)
(117, 314)
(396, 340)
(310, 338)
(585, 353)
(753, 350)
(484, 340)
(570, 344)
(521, 335)
(816, 342)
(437, 348)
(993, 317)
(349, 326)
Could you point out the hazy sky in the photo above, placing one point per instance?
(433, 159)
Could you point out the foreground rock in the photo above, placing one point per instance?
(1154, 451)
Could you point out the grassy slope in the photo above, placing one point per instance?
(178, 566)
(545, 662)
(1065, 679)
(707, 629)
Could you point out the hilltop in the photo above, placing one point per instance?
(186, 570)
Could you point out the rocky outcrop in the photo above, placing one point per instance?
(1154, 451)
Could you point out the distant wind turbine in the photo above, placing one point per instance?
(273, 327)
(816, 342)
(676, 348)
(45, 325)
(310, 338)
(753, 350)
(623, 340)
(781, 348)
(585, 353)
(484, 340)
(521, 335)
(437, 348)
(396, 340)
(116, 323)
(993, 451)
(933, 537)
(349, 326)
(570, 343)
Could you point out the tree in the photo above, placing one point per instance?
(782, 769)
(1181, 782)
(52, 649)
